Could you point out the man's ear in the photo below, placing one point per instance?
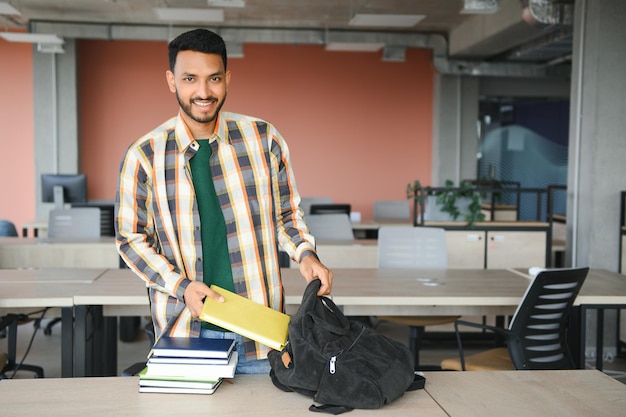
(169, 76)
(227, 78)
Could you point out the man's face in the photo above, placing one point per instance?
(200, 84)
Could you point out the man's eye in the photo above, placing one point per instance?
(215, 79)
(189, 79)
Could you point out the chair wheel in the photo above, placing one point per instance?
(47, 331)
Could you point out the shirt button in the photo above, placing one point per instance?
(199, 259)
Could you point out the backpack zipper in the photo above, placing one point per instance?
(332, 367)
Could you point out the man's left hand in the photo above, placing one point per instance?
(311, 268)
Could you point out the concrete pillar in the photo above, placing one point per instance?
(56, 116)
(455, 137)
(597, 149)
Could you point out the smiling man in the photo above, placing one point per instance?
(209, 197)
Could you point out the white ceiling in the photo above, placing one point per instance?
(484, 38)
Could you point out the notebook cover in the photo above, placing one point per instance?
(247, 318)
(191, 372)
(193, 347)
(179, 390)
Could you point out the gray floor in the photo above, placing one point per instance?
(46, 351)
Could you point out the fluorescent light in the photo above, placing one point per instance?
(6, 8)
(189, 15)
(391, 20)
(50, 48)
(479, 7)
(354, 46)
(48, 38)
(227, 3)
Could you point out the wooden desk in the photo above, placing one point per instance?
(574, 393)
(22, 290)
(580, 393)
(358, 253)
(417, 292)
(366, 291)
(41, 253)
(247, 395)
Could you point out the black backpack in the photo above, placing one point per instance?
(343, 364)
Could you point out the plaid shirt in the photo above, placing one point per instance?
(157, 219)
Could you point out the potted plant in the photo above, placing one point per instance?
(463, 200)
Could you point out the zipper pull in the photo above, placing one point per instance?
(332, 364)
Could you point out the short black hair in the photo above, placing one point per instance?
(199, 40)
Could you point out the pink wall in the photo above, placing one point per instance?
(359, 129)
(17, 161)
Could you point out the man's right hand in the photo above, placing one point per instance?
(194, 296)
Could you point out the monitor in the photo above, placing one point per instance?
(63, 188)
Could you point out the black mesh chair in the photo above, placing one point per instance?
(537, 335)
(8, 361)
(330, 209)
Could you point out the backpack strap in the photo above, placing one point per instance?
(330, 409)
(418, 383)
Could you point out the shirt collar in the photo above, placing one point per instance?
(185, 139)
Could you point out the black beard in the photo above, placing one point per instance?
(187, 109)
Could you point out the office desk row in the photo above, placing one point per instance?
(577, 393)
(108, 293)
(48, 253)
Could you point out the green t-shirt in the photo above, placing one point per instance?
(215, 259)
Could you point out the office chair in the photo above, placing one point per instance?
(74, 224)
(408, 247)
(81, 223)
(537, 334)
(330, 209)
(8, 361)
(330, 227)
(7, 229)
(307, 202)
(392, 210)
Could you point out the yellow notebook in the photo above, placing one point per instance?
(247, 318)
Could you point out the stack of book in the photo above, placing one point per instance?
(188, 365)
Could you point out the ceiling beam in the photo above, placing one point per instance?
(488, 35)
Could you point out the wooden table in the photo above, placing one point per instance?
(574, 393)
(23, 290)
(580, 393)
(18, 252)
(247, 395)
(119, 292)
(417, 292)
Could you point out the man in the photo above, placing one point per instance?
(207, 198)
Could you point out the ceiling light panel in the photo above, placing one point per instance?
(6, 8)
(354, 46)
(386, 20)
(47, 38)
(227, 3)
(172, 14)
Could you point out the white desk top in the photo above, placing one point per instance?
(50, 275)
(601, 287)
(577, 393)
(247, 395)
(472, 291)
(50, 287)
(104, 241)
(574, 393)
